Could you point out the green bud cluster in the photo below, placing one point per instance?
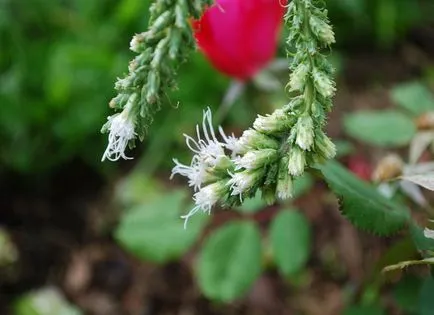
(298, 126)
(282, 145)
(151, 73)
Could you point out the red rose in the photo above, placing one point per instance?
(240, 37)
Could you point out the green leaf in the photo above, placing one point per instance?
(343, 148)
(426, 297)
(364, 310)
(413, 96)
(302, 185)
(155, 231)
(386, 128)
(406, 293)
(290, 238)
(421, 242)
(230, 261)
(252, 205)
(361, 204)
(45, 301)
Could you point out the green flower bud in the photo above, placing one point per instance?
(322, 29)
(323, 83)
(298, 77)
(284, 188)
(277, 122)
(324, 146)
(256, 159)
(304, 132)
(252, 139)
(297, 161)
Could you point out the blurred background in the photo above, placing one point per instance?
(60, 208)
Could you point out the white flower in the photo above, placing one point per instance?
(231, 142)
(242, 181)
(121, 131)
(428, 233)
(206, 198)
(207, 147)
(196, 173)
(209, 155)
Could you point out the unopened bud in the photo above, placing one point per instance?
(256, 159)
(388, 168)
(322, 29)
(298, 77)
(304, 132)
(252, 139)
(284, 188)
(425, 121)
(323, 83)
(324, 146)
(297, 161)
(276, 122)
(137, 42)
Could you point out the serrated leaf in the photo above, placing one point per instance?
(413, 96)
(387, 128)
(426, 300)
(155, 231)
(361, 204)
(230, 261)
(290, 238)
(406, 293)
(425, 180)
(364, 310)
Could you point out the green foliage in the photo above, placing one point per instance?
(426, 300)
(230, 261)
(46, 301)
(57, 64)
(382, 22)
(386, 128)
(290, 238)
(154, 231)
(421, 242)
(361, 204)
(406, 293)
(364, 310)
(414, 97)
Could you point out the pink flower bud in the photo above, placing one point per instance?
(240, 37)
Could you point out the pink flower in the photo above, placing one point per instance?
(240, 37)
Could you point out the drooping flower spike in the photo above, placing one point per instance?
(280, 146)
